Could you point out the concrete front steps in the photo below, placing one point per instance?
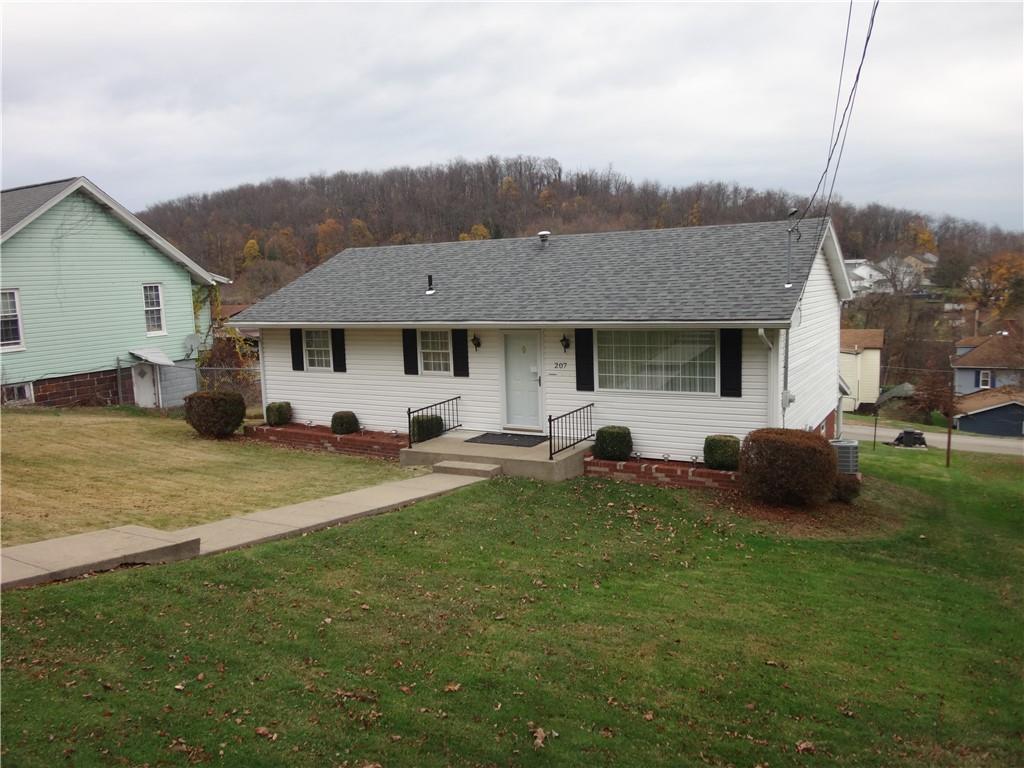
(468, 468)
(533, 462)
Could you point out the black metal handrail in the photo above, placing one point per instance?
(446, 410)
(570, 429)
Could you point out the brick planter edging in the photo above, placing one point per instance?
(670, 474)
(381, 445)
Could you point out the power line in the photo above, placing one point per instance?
(843, 124)
(842, 71)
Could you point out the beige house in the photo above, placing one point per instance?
(860, 362)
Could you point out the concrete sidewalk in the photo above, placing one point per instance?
(70, 556)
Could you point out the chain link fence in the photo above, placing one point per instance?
(243, 380)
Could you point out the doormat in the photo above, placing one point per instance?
(504, 438)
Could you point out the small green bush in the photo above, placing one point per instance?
(613, 443)
(216, 413)
(847, 488)
(426, 426)
(937, 419)
(279, 413)
(722, 452)
(788, 466)
(344, 423)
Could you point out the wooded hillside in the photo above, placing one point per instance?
(264, 235)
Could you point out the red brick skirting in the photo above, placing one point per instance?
(671, 474)
(381, 445)
(96, 388)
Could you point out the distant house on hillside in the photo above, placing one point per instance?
(988, 362)
(923, 264)
(865, 277)
(860, 351)
(674, 333)
(96, 306)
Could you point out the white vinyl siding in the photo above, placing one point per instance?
(658, 361)
(378, 391)
(375, 386)
(435, 351)
(814, 350)
(317, 345)
(153, 301)
(11, 336)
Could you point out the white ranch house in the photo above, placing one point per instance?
(675, 333)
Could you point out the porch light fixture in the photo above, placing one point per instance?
(476, 341)
(565, 342)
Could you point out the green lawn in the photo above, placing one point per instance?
(644, 627)
(67, 471)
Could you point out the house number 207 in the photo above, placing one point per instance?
(559, 366)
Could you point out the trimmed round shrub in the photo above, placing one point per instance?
(344, 423)
(937, 419)
(278, 414)
(217, 413)
(847, 488)
(722, 452)
(426, 426)
(788, 466)
(613, 443)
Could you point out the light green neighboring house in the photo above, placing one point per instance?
(95, 307)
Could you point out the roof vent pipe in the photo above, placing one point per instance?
(543, 235)
(430, 285)
(789, 249)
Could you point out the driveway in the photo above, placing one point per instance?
(1013, 446)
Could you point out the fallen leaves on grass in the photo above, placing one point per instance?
(452, 687)
(265, 732)
(805, 747)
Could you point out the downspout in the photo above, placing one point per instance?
(773, 376)
(787, 398)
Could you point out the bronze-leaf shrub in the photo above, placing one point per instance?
(788, 466)
(217, 413)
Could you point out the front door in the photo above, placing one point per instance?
(144, 385)
(522, 379)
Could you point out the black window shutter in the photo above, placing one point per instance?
(338, 349)
(584, 343)
(731, 354)
(977, 378)
(460, 352)
(409, 352)
(298, 359)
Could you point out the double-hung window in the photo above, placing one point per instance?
(11, 336)
(153, 303)
(436, 351)
(658, 361)
(985, 379)
(318, 349)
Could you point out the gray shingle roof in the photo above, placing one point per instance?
(19, 202)
(722, 273)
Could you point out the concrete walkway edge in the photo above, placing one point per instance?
(69, 556)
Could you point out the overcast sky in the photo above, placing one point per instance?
(153, 102)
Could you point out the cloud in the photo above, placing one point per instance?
(155, 101)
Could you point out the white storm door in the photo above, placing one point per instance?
(522, 379)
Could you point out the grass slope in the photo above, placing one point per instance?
(67, 471)
(644, 626)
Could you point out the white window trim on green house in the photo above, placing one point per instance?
(154, 310)
(436, 353)
(317, 349)
(7, 312)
